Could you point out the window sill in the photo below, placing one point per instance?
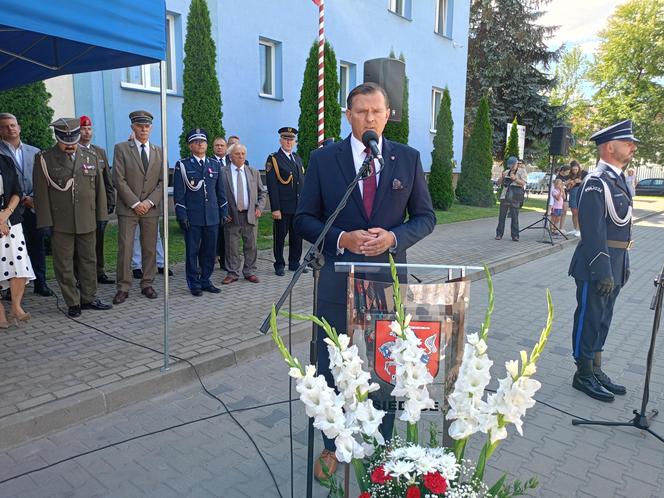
(271, 97)
(137, 88)
(399, 15)
(445, 37)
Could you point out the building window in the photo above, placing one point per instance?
(269, 56)
(267, 61)
(401, 8)
(146, 77)
(346, 82)
(436, 97)
(444, 17)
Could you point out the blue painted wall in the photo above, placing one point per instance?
(357, 30)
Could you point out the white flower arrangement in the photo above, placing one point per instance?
(411, 470)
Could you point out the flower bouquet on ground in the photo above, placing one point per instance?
(404, 467)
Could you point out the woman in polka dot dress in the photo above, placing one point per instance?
(15, 266)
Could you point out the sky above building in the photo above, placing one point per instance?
(580, 21)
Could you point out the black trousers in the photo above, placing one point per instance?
(514, 214)
(200, 244)
(34, 240)
(335, 314)
(221, 248)
(592, 319)
(281, 228)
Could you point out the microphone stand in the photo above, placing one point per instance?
(641, 420)
(314, 258)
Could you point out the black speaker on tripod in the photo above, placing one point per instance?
(391, 75)
(561, 140)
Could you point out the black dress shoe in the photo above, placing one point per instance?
(161, 272)
(196, 292)
(74, 311)
(138, 273)
(279, 272)
(586, 382)
(212, 289)
(43, 290)
(96, 305)
(103, 279)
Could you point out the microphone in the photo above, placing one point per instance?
(370, 139)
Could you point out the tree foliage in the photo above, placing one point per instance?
(201, 107)
(512, 145)
(474, 186)
(628, 73)
(440, 179)
(574, 108)
(508, 62)
(308, 122)
(398, 131)
(29, 103)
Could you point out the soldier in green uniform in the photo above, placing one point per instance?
(284, 174)
(70, 202)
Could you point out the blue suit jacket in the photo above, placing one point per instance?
(402, 191)
(593, 259)
(207, 206)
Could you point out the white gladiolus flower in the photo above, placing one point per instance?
(512, 368)
(295, 373)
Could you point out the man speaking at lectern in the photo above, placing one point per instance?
(373, 222)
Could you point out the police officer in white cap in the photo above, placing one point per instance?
(600, 264)
(200, 207)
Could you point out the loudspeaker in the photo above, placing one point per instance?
(561, 139)
(391, 75)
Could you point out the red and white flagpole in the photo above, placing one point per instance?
(321, 71)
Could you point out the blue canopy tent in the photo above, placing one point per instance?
(40, 39)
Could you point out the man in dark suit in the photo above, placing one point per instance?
(371, 225)
(200, 206)
(283, 175)
(105, 170)
(600, 265)
(220, 147)
(23, 157)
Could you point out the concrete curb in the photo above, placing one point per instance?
(57, 415)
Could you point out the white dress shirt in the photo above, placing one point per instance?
(147, 147)
(235, 172)
(359, 156)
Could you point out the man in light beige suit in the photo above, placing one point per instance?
(246, 199)
(137, 176)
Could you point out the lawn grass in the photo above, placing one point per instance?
(457, 212)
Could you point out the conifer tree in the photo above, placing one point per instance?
(474, 187)
(440, 179)
(307, 137)
(398, 131)
(512, 145)
(29, 103)
(201, 107)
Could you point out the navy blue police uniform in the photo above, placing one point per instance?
(200, 206)
(600, 266)
(284, 177)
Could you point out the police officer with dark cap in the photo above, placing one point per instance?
(200, 207)
(70, 202)
(284, 176)
(600, 264)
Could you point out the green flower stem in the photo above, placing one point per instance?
(484, 330)
(360, 474)
(460, 448)
(411, 433)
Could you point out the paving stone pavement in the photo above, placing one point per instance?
(53, 357)
(213, 458)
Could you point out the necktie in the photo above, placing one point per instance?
(202, 163)
(239, 195)
(144, 158)
(369, 187)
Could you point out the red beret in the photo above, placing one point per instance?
(85, 121)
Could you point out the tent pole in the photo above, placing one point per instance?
(164, 163)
